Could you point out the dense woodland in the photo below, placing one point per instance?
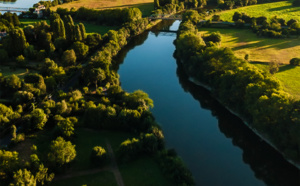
(252, 93)
(75, 87)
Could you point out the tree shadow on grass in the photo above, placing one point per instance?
(286, 68)
(292, 8)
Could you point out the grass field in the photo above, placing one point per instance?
(146, 172)
(102, 178)
(25, 22)
(244, 41)
(20, 72)
(146, 6)
(282, 9)
(89, 27)
(288, 76)
(86, 140)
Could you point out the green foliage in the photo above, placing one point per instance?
(98, 155)
(273, 67)
(69, 58)
(295, 62)
(15, 42)
(38, 119)
(9, 161)
(257, 96)
(191, 15)
(66, 127)
(24, 177)
(81, 50)
(174, 168)
(61, 152)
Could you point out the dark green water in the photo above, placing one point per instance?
(215, 145)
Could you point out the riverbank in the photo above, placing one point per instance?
(193, 80)
(253, 95)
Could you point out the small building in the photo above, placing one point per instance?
(39, 11)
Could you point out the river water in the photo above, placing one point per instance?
(214, 144)
(18, 3)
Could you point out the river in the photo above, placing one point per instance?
(214, 144)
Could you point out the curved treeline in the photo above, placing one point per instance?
(254, 94)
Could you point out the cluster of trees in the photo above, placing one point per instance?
(8, 20)
(97, 97)
(108, 17)
(275, 28)
(254, 94)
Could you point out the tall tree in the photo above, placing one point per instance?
(15, 42)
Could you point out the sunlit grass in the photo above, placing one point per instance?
(146, 6)
(289, 77)
(244, 41)
(282, 9)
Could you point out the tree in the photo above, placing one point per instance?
(58, 28)
(69, 57)
(13, 82)
(81, 50)
(82, 30)
(273, 67)
(38, 118)
(24, 177)
(9, 160)
(61, 152)
(295, 61)
(97, 75)
(15, 43)
(191, 15)
(98, 155)
(156, 4)
(66, 127)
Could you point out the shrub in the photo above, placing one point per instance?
(98, 155)
(295, 61)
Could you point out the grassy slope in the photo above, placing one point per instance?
(244, 41)
(283, 9)
(289, 77)
(146, 6)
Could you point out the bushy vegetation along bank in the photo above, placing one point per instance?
(254, 94)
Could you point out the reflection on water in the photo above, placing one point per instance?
(18, 3)
(267, 164)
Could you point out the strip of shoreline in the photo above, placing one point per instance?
(196, 82)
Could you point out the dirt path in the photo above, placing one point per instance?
(113, 167)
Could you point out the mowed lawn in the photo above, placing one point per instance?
(262, 49)
(146, 6)
(289, 77)
(283, 9)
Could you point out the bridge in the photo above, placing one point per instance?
(14, 9)
(165, 17)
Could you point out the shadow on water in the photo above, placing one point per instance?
(267, 164)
